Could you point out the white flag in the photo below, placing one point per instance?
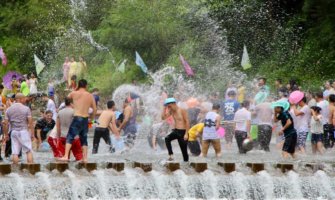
(39, 65)
(245, 59)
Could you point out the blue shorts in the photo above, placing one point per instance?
(316, 138)
(79, 126)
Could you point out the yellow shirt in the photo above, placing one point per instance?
(192, 133)
(241, 94)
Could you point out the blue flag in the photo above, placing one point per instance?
(140, 63)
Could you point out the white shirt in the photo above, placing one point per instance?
(241, 118)
(303, 120)
(324, 105)
(52, 107)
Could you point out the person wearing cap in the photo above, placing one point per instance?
(107, 122)
(290, 134)
(19, 117)
(180, 131)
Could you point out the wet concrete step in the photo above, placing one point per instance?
(5, 169)
(256, 167)
(146, 167)
(118, 166)
(31, 168)
(285, 167)
(88, 166)
(59, 166)
(199, 167)
(228, 167)
(172, 166)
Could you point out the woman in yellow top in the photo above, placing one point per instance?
(81, 68)
(72, 71)
(240, 93)
(193, 134)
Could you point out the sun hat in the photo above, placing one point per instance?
(169, 100)
(281, 103)
(296, 97)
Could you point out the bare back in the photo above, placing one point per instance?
(82, 101)
(106, 118)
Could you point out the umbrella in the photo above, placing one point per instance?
(296, 97)
(7, 78)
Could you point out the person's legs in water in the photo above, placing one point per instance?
(79, 126)
(240, 136)
(96, 139)
(217, 147)
(172, 136)
(76, 149)
(108, 141)
(229, 134)
(301, 141)
(183, 144)
(8, 148)
(204, 147)
(326, 135)
(289, 145)
(83, 138)
(264, 136)
(314, 143)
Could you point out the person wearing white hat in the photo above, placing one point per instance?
(182, 125)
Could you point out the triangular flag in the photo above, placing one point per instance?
(187, 67)
(3, 57)
(122, 66)
(140, 63)
(39, 65)
(245, 63)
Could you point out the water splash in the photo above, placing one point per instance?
(46, 180)
(18, 185)
(100, 175)
(75, 184)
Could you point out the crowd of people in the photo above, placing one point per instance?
(289, 113)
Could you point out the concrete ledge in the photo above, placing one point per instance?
(118, 166)
(31, 168)
(61, 167)
(228, 167)
(172, 166)
(88, 166)
(146, 167)
(314, 166)
(284, 167)
(256, 167)
(199, 167)
(5, 169)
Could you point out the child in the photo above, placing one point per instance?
(290, 134)
(193, 134)
(209, 134)
(316, 130)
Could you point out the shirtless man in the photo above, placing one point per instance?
(82, 101)
(331, 119)
(182, 125)
(18, 116)
(129, 124)
(107, 121)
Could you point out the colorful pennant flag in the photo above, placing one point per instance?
(140, 63)
(39, 65)
(187, 67)
(245, 63)
(3, 57)
(122, 66)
